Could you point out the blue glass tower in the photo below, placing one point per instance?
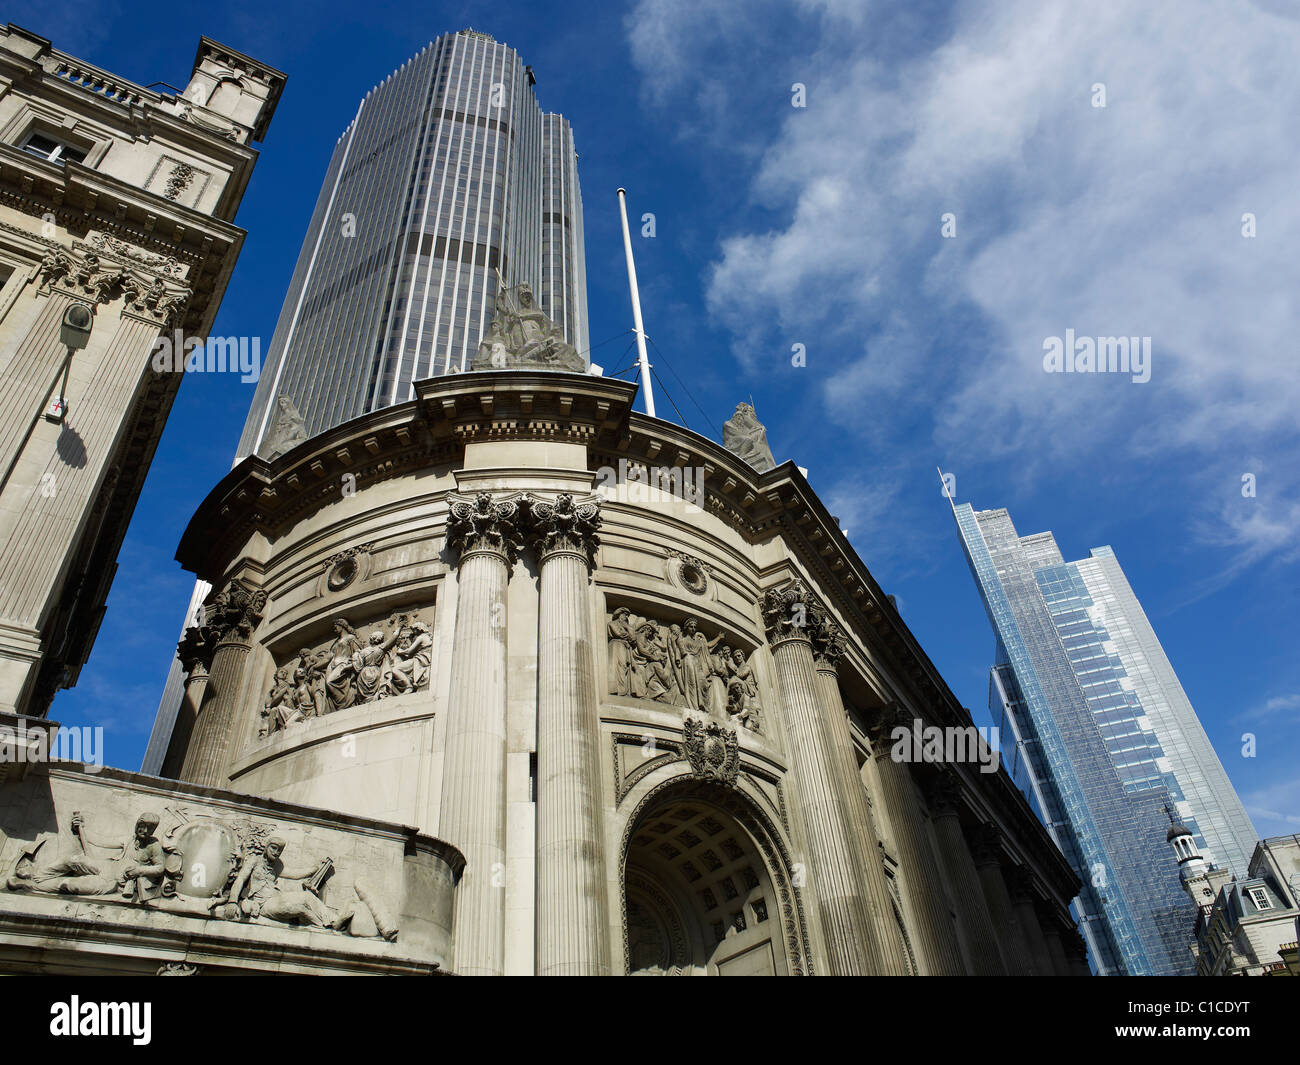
(1102, 738)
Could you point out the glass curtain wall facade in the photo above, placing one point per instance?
(1102, 737)
(448, 175)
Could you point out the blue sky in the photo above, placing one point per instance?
(821, 226)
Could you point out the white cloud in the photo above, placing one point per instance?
(1123, 220)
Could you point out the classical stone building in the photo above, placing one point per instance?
(509, 678)
(647, 691)
(116, 207)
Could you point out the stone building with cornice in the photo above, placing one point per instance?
(510, 678)
(119, 199)
(611, 726)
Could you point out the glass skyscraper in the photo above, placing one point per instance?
(1102, 739)
(448, 175)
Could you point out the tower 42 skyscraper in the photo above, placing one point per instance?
(448, 175)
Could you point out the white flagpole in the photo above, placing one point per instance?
(636, 307)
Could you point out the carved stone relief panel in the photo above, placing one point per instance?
(678, 665)
(394, 657)
(203, 865)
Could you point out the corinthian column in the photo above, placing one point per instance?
(837, 865)
(975, 924)
(828, 644)
(484, 532)
(572, 923)
(940, 951)
(195, 654)
(229, 620)
(986, 851)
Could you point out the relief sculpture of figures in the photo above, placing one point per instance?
(138, 870)
(351, 671)
(680, 666)
(263, 888)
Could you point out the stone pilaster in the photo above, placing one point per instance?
(1023, 901)
(484, 531)
(229, 619)
(935, 936)
(572, 918)
(828, 644)
(975, 924)
(837, 865)
(986, 853)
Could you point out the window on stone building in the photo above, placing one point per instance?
(1260, 898)
(51, 148)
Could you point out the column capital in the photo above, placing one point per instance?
(232, 614)
(483, 524)
(195, 652)
(943, 792)
(828, 642)
(986, 844)
(1020, 884)
(564, 526)
(789, 613)
(880, 724)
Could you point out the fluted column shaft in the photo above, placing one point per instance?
(1055, 948)
(230, 618)
(1011, 942)
(975, 923)
(935, 933)
(572, 913)
(836, 864)
(891, 952)
(196, 685)
(1027, 916)
(473, 814)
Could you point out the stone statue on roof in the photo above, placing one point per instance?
(746, 438)
(523, 337)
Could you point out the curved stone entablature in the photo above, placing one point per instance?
(179, 871)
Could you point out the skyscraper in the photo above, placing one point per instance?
(1103, 737)
(448, 175)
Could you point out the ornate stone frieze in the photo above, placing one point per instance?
(680, 666)
(712, 749)
(522, 336)
(746, 438)
(81, 272)
(178, 180)
(486, 524)
(565, 526)
(204, 866)
(350, 671)
(177, 968)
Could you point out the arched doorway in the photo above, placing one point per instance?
(699, 896)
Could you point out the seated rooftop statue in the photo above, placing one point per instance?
(523, 337)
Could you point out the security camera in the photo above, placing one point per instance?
(75, 331)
